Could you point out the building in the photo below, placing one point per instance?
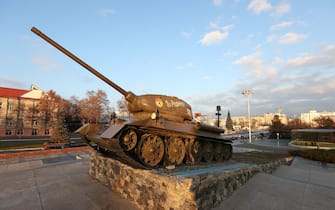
(268, 117)
(258, 122)
(18, 113)
(309, 117)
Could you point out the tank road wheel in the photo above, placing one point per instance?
(227, 151)
(218, 152)
(208, 152)
(194, 151)
(128, 139)
(175, 151)
(151, 150)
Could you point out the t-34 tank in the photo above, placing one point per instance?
(160, 132)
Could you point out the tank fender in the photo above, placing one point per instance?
(88, 129)
(112, 131)
(204, 127)
(83, 130)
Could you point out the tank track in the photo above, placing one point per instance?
(116, 152)
(112, 148)
(187, 139)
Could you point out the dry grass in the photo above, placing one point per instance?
(258, 157)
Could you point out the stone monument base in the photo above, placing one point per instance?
(202, 188)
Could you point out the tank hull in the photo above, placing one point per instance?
(150, 143)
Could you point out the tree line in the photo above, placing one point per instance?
(284, 131)
(72, 113)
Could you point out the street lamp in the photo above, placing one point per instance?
(248, 93)
(218, 109)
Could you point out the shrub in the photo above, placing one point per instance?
(315, 154)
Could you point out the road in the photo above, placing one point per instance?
(270, 145)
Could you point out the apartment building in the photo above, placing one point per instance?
(18, 113)
(309, 117)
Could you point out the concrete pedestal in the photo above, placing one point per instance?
(161, 189)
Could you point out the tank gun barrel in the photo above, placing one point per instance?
(79, 61)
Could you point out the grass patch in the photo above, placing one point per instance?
(256, 157)
(316, 154)
(20, 145)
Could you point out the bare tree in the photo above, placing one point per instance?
(95, 108)
(72, 119)
(297, 124)
(53, 109)
(325, 122)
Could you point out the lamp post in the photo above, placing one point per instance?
(248, 94)
(218, 109)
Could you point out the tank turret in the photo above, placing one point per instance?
(160, 132)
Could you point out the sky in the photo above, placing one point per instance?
(206, 52)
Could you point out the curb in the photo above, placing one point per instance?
(44, 152)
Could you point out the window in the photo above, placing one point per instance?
(19, 132)
(9, 122)
(34, 122)
(46, 132)
(8, 132)
(0, 104)
(34, 132)
(10, 106)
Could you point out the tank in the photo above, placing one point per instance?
(161, 130)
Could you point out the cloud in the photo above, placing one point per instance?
(255, 66)
(288, 38)
(230, 53)
(9, 82)
(186, 35)
(218, 34)
(326, 59)
(301, 88)
(217, 2)
(106, 12)
(259, 6)
(271, 38)
(281, 25)
(206, 104)
(277, 60)
(301, 61)
(185, 66)
(214, 37)
(282, 9)
(206, 77)
(291, 38)
(44, 63)
(252, 58)
(297, 84)
(328, 49)
(216, 26)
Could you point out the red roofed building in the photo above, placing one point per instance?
(11, 92)
(18, 115)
